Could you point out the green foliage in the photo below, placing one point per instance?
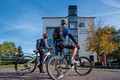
(20, 49)
(8, 61)
(20, 52)
(116, 53)
(100, 41)
(11, 48)
(7, 53)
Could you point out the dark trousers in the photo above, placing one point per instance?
(41, 61)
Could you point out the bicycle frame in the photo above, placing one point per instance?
(65, 57)
(67, 54)
(46, 55)
(38, 57)
(62, 65)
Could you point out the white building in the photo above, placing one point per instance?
(78, 27)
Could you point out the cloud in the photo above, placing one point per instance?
(28, 51)
(10, 27)
(27, 26)
(31, 22)
(23, 25)
(9, 39)
(107, 13)
(27, 46)
(112, 3)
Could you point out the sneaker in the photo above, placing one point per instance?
(60, 76)
(74, 62)
(42, 72)
(72, 68)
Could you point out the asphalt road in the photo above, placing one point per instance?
(96, 74)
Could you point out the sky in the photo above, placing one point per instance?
(21, 20)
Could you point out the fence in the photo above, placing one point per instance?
(11, 60)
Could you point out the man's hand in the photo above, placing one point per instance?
(52, 48)
(78, 46)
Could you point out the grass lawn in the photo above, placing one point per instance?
(7, 66)
(10, 66)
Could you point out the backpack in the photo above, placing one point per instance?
(58, 34)
(39, 43)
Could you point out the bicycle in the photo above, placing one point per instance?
(64, 66)
(27, 64)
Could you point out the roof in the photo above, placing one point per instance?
(86, 17)
(63, 17)
(53, 17)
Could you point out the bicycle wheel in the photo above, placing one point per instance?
(25, 65)
(84, 66)
(60, 68)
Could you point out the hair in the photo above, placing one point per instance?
(63, 23)
(45, 37)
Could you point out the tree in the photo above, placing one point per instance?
(100, 41)
(20, 49)
(20, 52)
(92, 41)
(116, 53)
(3, 49)
(8, 48)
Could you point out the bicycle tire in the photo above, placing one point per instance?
(19, 61)
(83, 66)
(50, 63)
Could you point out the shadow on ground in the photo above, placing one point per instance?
(15, 76)
(96, 74)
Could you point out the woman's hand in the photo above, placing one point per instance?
(52, 48)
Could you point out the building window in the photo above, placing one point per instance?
(92, 58)
(74, 32)
(49, 31)
(73, 18)
(72, 11)
(73, 25)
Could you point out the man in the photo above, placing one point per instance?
(43, 46)
(66, 44)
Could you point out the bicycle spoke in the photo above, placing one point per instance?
(25, 64)
(84, 67)
(54, 68)
(24, 69)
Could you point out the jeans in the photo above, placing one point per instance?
(41, 60)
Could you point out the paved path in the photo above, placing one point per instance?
(96, 74)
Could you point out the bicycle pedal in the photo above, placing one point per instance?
(21, 74)
(72, 67)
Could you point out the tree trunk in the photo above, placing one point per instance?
(104, 60)
(98, 57)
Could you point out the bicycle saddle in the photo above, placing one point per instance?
(35, 51)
